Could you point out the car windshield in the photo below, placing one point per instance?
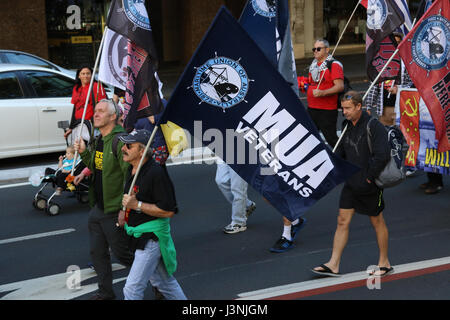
(18, 58)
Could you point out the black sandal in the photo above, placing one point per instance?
(326, 271)
(385, 270)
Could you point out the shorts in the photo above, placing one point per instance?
(370, 204)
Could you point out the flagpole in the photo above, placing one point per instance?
(89, 93)
(339, 40)
(133, 182)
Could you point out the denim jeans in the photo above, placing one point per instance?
(149, 266)
(234, 188)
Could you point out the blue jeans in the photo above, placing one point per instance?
(149, 266)
(234, 188)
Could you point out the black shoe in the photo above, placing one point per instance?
(282, 245)
(158, 294)
(99, 297)
(424, 186)
(433, 189)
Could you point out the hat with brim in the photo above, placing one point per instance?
(141, 136)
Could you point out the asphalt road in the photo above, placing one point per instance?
(216, 266)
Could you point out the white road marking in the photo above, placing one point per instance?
(298, 287)
(52, 287)
(15, 185)
(38, 235)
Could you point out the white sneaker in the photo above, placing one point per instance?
(234, 228)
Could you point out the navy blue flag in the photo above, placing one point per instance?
(259, 19)
(232, 91)
(267, 23)
(129, 18)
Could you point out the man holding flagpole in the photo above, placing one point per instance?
(323, 99)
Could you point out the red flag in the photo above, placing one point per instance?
(364, 3)
(425, 52)
(409, 124)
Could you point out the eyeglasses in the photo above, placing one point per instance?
(317, 49)
(128, 145)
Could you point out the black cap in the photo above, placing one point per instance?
(141, 136)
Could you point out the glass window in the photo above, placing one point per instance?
(26, 59)
(48, 84)
(9, 86)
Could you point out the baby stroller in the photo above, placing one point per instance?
(47, 203)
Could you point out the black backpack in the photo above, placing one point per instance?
(347, 86)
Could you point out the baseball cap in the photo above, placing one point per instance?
(141, 136)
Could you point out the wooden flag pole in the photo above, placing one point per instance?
(339, 40)
(89, 93)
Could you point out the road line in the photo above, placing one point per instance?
(15, 185)
(38, 235)
(352, 280)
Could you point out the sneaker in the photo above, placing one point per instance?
(295, 228)
(250, 209)
(282, 245)
(234, 228)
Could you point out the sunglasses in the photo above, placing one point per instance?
(128, 145)
(348, 97)
(317, 49)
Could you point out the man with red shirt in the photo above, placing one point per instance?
(323, 98)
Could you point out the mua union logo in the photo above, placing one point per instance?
(136, 13)
(431, 43)
(221, 82)
(117, 58)
(265, 8)
(376, 14)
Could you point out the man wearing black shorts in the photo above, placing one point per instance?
(360, 193)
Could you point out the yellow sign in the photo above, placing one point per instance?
(81, 39)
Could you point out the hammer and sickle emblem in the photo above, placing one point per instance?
(412, 107)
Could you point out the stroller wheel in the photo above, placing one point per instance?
(83, 197)
(40, 203)
(53, 209)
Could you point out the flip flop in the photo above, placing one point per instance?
(385, 273)
(326, 271)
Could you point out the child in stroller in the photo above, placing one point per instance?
(65, 165)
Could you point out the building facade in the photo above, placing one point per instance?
(68, 32)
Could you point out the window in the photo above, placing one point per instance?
(18, 58)
(48, 84)
(9, 86)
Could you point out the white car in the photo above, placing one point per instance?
(32, 102)
(19, 57)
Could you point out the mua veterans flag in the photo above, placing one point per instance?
(129, 18)
(250, 117)
(426, 52)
